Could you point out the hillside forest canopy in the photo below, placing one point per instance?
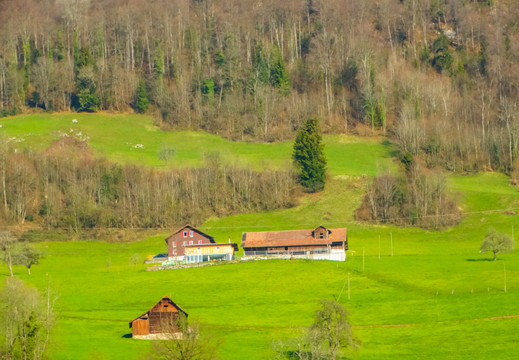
(438, 76)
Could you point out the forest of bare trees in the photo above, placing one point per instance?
(439, 76)
(419, 198)
(69, 189)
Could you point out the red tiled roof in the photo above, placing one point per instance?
(290, 238)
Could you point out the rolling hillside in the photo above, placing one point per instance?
(135, 139)
(429, 295)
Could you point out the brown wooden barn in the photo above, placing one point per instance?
(158, 322)
(320, 243)
(185, 236)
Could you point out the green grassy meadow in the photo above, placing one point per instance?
(426, 294)
(116, 136)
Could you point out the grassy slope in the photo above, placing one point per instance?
(436, 283)
(115, 137)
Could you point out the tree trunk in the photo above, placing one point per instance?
(4, 191)
(495, 255)
(10, 263)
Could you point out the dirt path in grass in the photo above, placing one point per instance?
(384, 326)
(499, 317)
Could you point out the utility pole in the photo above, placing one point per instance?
(348, 286)
(379, 247)
(391, 234)
(504, 270)
(362, 259)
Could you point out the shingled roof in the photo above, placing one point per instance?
(211, 239)
(164, 298)
(291, 238)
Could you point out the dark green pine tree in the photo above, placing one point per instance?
(308, 156)
(141, 101)
(278, 72)
(443, 58)
(261, 65)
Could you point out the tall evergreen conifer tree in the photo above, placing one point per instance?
(142, 101)
(309, 157)
(279, 73)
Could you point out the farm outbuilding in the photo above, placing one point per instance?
(320, 243)
(159, 322)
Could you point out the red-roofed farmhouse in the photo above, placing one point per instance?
(184, 237)
(190, 245)
(320, 244)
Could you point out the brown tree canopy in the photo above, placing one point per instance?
(70, 189)
(440, 76)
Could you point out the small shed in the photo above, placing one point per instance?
(159, 322)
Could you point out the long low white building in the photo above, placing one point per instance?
(319, 244)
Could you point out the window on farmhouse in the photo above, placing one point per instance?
(199, 242)
(321, 235)
(184, 234)
(190, 234)
(191, 242)
(175, 244)
(185, 243)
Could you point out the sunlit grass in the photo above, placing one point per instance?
(414, 294)
(134, 139)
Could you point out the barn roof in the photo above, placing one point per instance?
(165, 297)
(291, 238)
(192, 228)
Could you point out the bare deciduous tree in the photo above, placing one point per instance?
(27, 319)
(7, 246)
(187, 344)
(27, 256)
(496, 242)
(166, 153)
(330, 333)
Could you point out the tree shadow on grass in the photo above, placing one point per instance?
(393, 151)
(295, 355)
(127, 336)
(477, 260)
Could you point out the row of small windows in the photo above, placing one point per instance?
(190, 242)
(194, 258)
(188, 233)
